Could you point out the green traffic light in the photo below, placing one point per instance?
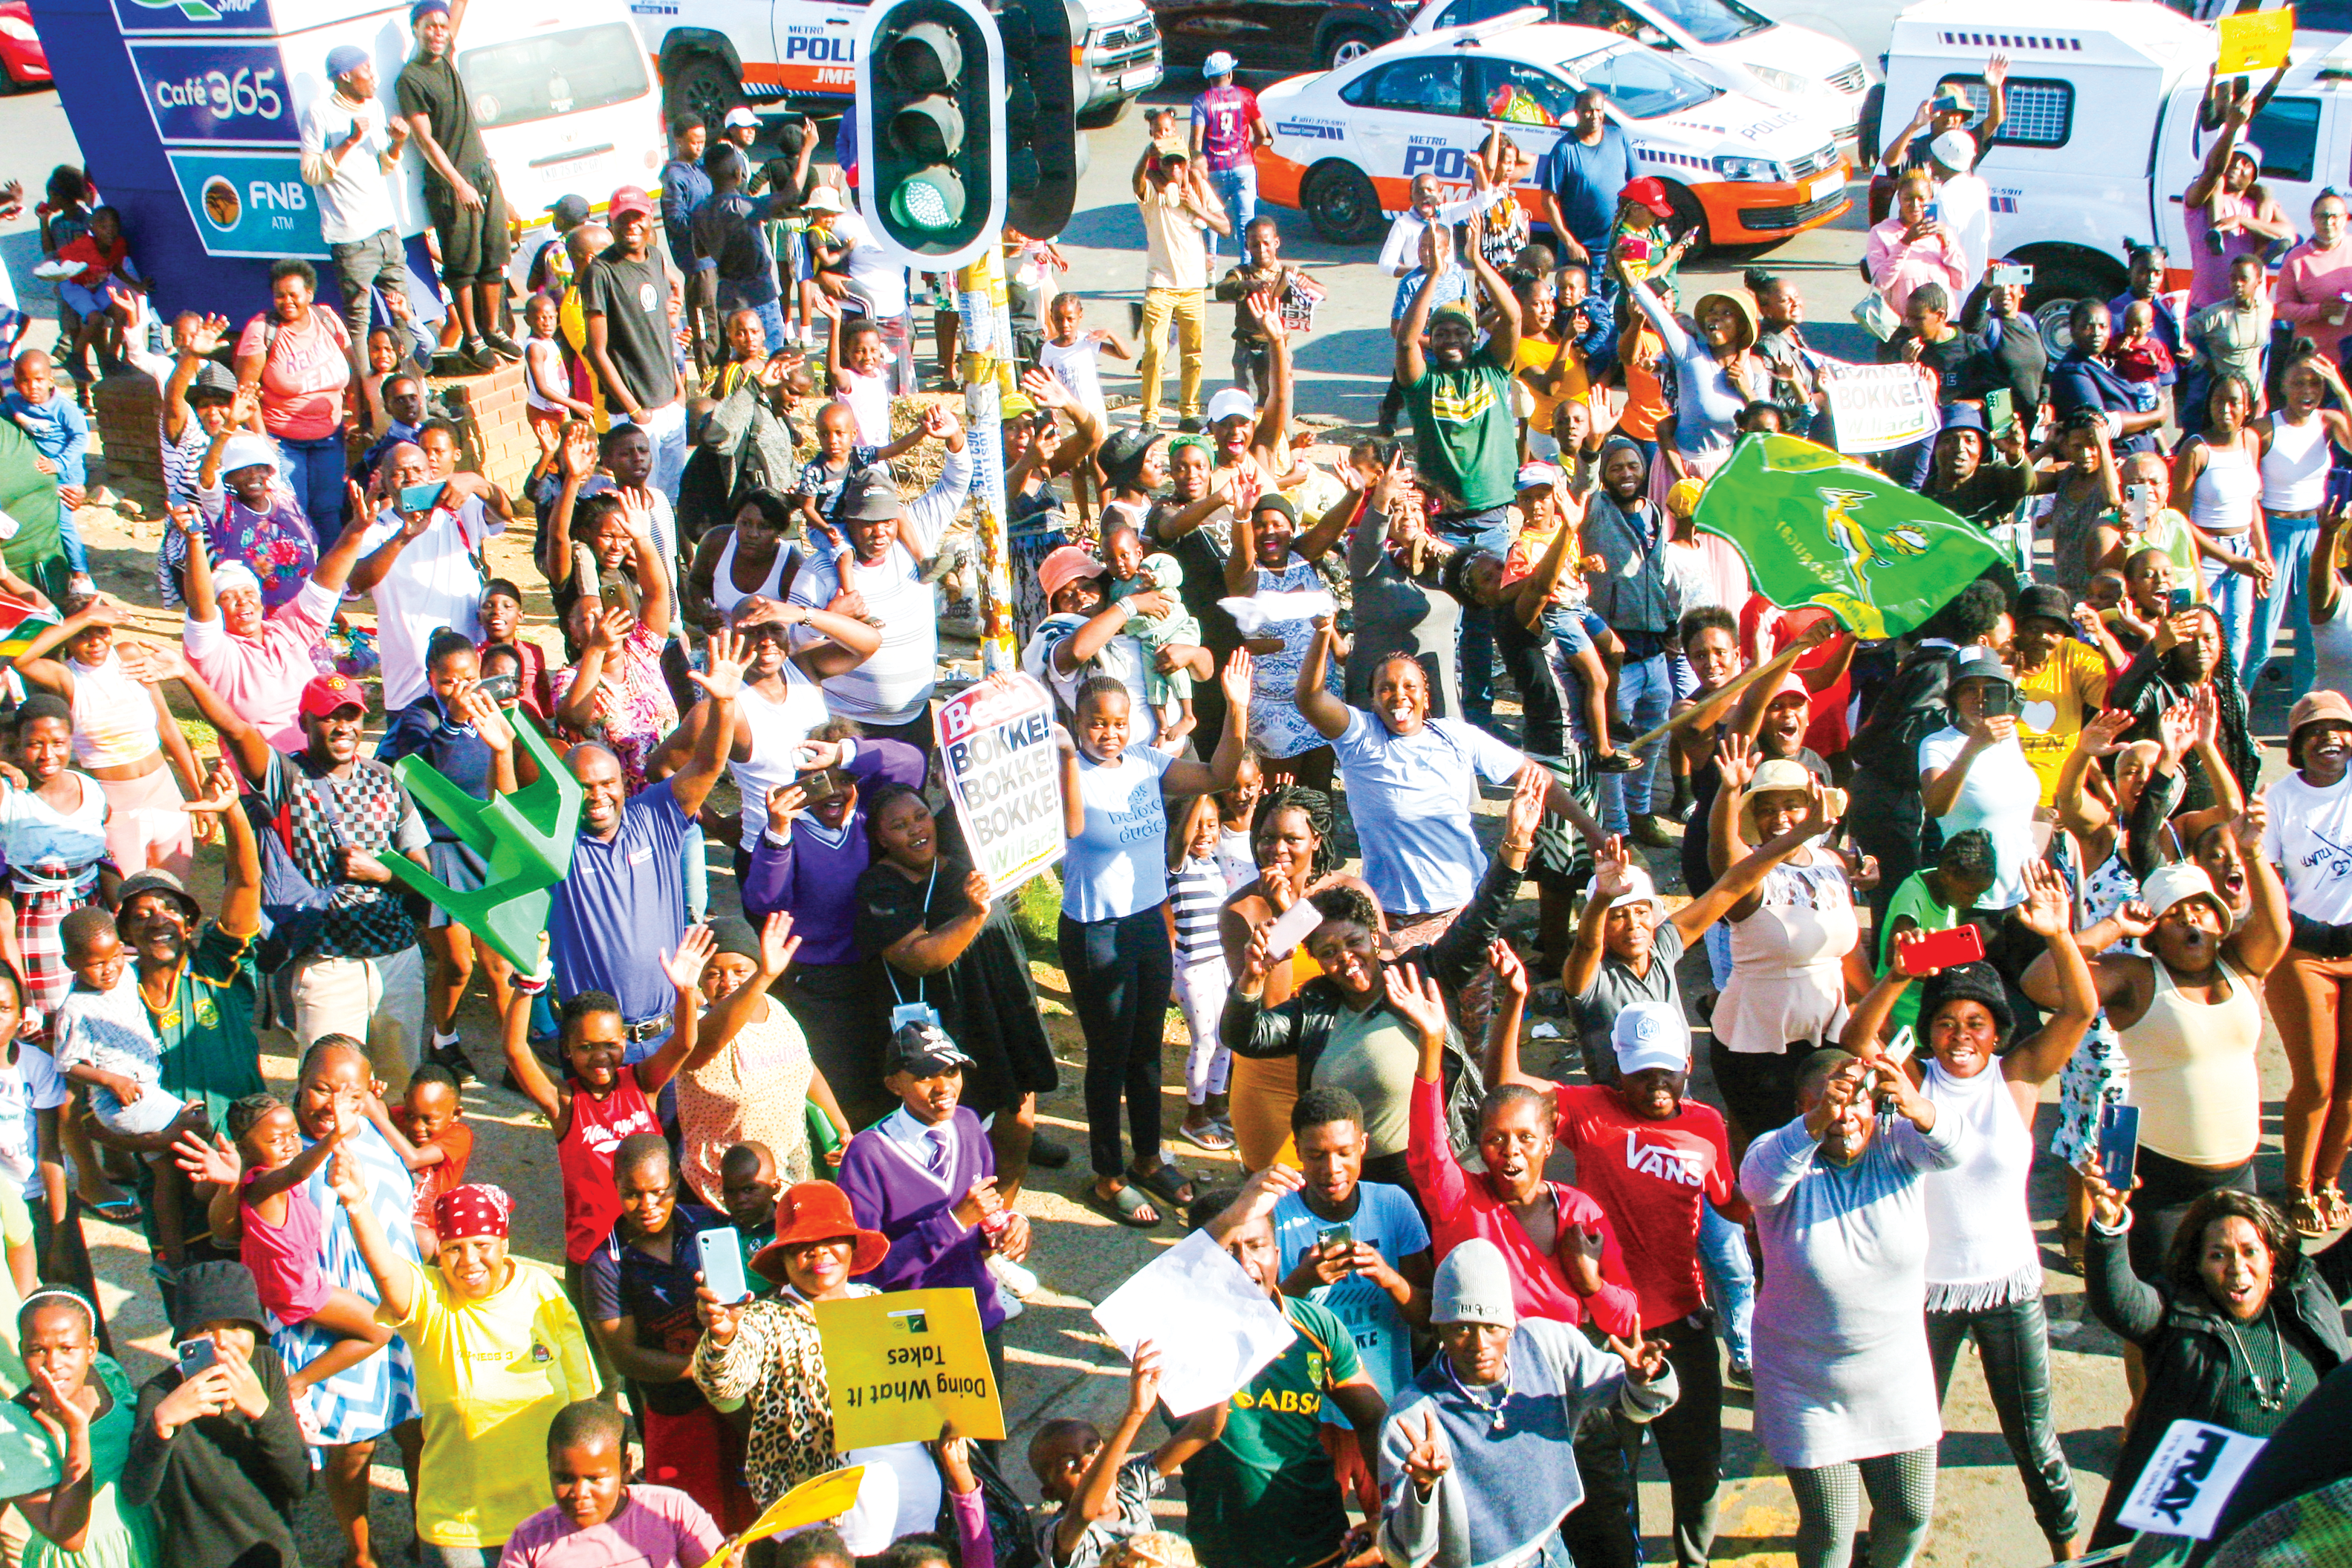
(932, 199)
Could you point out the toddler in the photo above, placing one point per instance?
(1130, 573)
(546, 381)
(842, 453)
(861, 378)
(98, 281)
(257, 1195)
(60, 435)
(429, 1118)
(748, 1187)
(105, 1043)
(1236, 809)
(1196, 893)
(2138, 355)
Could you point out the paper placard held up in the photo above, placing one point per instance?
(814, 1501)
(2254, 41)
(898, 1365)
(1213, 1326)
(996, 742)
(2185, 1482)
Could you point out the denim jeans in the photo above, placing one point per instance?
(1237, 188)
(1689, 1435)
(2292, 538)
(1730, 1272)
(362, 268)
(1646, 690)
(76, 554)
(2234, 601)
(2013, 1344)
(772, 322)
(316, 469)
(1490, 531)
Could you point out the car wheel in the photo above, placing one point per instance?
(1109, 113)
(1348, 45)
(2058, 287)
(1340, 203)
(1689, 218)
(704, 87)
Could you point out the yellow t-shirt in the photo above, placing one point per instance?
(16, 1230)
(490, 1374)
(1535, 354)
(2067, 689)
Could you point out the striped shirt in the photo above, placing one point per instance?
(1196, 893)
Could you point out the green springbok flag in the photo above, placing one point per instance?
(1819, 528)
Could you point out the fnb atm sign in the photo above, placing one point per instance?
(249, 204)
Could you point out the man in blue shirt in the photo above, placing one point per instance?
(622, 904)
(1582, 178)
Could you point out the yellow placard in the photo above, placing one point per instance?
(815, 1500)
(2254, 40)
(899, 1364)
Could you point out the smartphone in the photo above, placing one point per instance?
(1900, 1049)
(196, 1357)
(421, 498)
(2120, 1145)
(499, 688)
(1963, 943)
(2001, 418)
(2012, 275)
(2179, 601)
(2003, 707)
(723, 1262)
(1335, 1238)
(615, 595)
(1935, 211)
(2140, 503)
(1290, 928)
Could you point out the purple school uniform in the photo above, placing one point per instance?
(814, 876)
(892, 1191)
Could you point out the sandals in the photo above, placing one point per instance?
(1123, 1206)
(1208, 1136)
(2333, 1208)
(2304, 1212)
(1167, 1183)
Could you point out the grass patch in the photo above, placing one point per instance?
(1038, 910)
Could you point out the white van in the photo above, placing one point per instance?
(2102, 135)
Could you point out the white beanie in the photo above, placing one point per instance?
(228, 576)
(1473, 1286)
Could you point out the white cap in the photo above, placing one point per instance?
(2168, 885)
(823, 199)
(1232, 403)
(740, 115)
(1639, 890)
(1651, 1035)
(229, 576)
(246, 451)
(1954, 149)
(1219, 64)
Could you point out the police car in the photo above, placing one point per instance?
(1348, 142)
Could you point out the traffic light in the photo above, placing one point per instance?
(1044, 150)
(931, 81)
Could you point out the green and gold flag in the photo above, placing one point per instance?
(1819, 528)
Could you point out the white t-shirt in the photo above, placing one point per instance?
(1409, 797)
(357, 202)
(1967, 202)
(1078, 370)
(434, 581)
(1998, 795)
(1121, 658)
(895, 684)
(2309, 840)
(873, 276)
(778, 730)
(1118, 865)
(42, 1088)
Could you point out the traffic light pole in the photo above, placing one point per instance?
(987, 365)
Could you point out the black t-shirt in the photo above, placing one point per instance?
(729, 230)
(633, 298)
(1946, 359)
(658, 1299)
(435, 90)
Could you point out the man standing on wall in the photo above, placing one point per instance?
(461, 187)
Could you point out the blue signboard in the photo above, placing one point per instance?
(217, 91)
(249, 204)
(136, 16)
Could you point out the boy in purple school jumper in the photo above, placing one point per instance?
(808, 866)
(925, 1177)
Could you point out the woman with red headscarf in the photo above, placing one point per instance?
(497, 1349)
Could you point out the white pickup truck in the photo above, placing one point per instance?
(799, 54)
(2102, 134)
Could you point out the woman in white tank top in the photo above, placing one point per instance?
(2299, 439)
(2220, 476)
(752, 547)
(1984, 1265)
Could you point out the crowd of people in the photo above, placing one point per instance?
(2027, 840)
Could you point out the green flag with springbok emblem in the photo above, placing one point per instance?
(1819, 528)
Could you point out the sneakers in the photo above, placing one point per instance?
(1012, 1275)
(449, 1052)
(1740, 1376)
(476, 354)
(502, 345)
(1007, 1302)
(80, 582)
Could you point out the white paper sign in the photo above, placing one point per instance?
(1878, 408)
(2187, 1478)
(1213, 1326)
(1259, 611)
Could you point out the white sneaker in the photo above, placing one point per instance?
(1007, 1302)
(1013, 1277)
(80, 584)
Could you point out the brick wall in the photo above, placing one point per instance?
(129, 422)
(489, 411)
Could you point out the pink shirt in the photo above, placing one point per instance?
(304, 375)
(262, 676)
(2312, 284)
(1898, 267)
(655, 1526)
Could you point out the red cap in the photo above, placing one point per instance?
(1649, 190)
(633, 199)
(327, 694)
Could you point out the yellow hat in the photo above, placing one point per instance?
(1682, 499)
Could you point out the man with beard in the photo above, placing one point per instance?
(1478, 1457)
(1845, 1392)
(1634, 592)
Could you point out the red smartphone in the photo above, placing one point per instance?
(1941, 950)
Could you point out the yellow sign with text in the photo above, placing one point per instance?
(899, 1366)
(2255, 41)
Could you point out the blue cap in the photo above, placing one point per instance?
(424, 8)
(345, 59)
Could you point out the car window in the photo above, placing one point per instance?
(1415, 87)
(1523, 94)
(1645, 85)
(2040, 110)
(1612, 17)
(546, 74)
(1712, 21)
(2287, 130)
(1463, 13)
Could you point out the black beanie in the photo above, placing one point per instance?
(1975, 982)
(217, 1293)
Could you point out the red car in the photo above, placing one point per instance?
(21, 54)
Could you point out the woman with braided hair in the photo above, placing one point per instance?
(1296, 838)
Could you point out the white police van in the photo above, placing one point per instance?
(1348, 142)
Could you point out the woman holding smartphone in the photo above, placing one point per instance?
(1974, 773)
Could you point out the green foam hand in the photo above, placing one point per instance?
(526, 837)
